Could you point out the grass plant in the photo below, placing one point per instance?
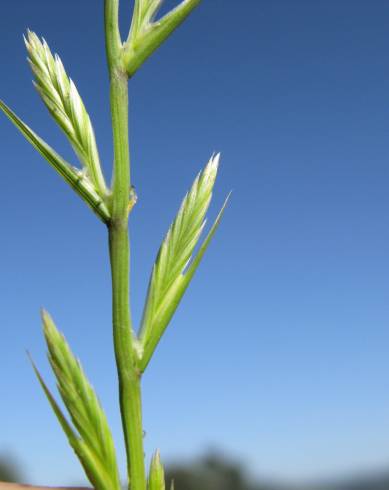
(86, 426)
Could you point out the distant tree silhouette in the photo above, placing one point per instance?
(8, 470)
(211, 473)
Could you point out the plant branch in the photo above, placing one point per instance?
(125, 342)
(126, 360)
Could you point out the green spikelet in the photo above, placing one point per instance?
(168, 281)
(94, 446)
(157, 474)
(146, 34)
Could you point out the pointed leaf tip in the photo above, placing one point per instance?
(197, 259)
(75, 178)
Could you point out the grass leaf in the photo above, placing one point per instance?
(197, 259)
(67, 428)
(168, 279)
(74, 177)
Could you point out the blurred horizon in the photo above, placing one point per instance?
(217, 471)
(278, 355)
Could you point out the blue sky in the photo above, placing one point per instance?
(278, 353)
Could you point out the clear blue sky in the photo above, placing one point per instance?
(279, 353)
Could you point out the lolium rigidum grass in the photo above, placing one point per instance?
(87, 429)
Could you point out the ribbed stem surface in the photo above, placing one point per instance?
(119, 247)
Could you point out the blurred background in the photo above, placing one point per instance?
(274, 371)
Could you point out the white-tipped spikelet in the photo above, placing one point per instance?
(62, 99)
(174, 266)
(184, 233)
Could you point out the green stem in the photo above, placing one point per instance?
(126, 361)
(125, 341)
(113, 43)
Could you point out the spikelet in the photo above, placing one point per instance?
(156, 479)
(95, 446)
(168, 281)
(62, 99)
(144, 13)
(147, 34)
(185, 231)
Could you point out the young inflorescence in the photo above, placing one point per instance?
(88, 431)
